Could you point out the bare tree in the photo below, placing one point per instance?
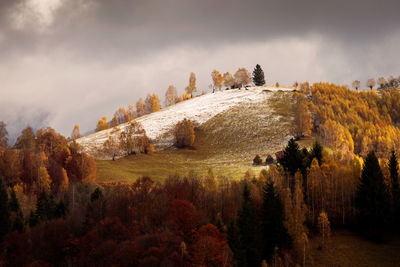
(356, 84)
(171, 96)
(242, 77)
(371, 83)
(381, 82)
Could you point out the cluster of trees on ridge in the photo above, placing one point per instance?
(151, 104)
(384, 84)
(133, 139)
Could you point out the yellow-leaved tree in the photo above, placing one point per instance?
(184, 133)
(191, 88)
(229, 81)
(102, 124)
(75, 132)
(302, 116)
(171, 96)
(217, 79)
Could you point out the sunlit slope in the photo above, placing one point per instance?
(238, 115)
(225, 143)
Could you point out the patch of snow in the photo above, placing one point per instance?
(159, 125)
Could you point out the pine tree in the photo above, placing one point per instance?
(274, 232)
(18, 221)
(316, 152)
(394, 175)
(248, 232)
(372, 198)
(4, 211)
(258, 76)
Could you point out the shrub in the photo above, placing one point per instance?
(269, 160)
(257, 160)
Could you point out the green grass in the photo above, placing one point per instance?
(349, 249)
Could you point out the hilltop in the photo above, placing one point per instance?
(232, 126)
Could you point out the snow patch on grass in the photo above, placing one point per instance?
(159, 125)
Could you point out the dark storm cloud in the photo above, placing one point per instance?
(120, 29)
(72, 57)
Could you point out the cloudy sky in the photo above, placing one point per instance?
(73, 61)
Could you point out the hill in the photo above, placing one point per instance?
(231, 127)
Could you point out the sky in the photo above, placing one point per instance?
(67, 62)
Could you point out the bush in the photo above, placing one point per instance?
(257, 160)
(269, 160)
(184, 134)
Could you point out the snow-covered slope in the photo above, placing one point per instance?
(159, 125)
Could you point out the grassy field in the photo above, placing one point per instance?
(349, 249)
(227, 144)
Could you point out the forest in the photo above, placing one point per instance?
(53, 212)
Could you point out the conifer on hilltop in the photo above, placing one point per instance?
(258, 76)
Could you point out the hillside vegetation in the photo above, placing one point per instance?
(226, 143)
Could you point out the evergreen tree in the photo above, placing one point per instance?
(14, 204)
(294, 160)
(233, 240)
(4, 211)
(291, 160)
(275, 233)
(394, 175)
(248, 232)
(316, 152)
(33, 220)
(372, 198)
(258, 76)
(18, 223)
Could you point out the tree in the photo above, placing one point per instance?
(274, 232)
(183, 217)
(257, 160)
(152, 103)
(114, 122)
(121, 115)
(316, 152)
(4, 211)
(102, 124)
(171, 96)
(381, 82)
(324, 226)
(356, 84)
(394, 175)
(248, 231)
(18, 218)
(229, 81)
(110, 146)
(155, 103)
(372, 199)
(131, 111)
(184, 133)
(302, 116)
(3, 135)
(26, 140)
(258, 76)
(371, 83)
(217, 79)
(75, 132)
(140, 108)
(242, 77)
(191, 88)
